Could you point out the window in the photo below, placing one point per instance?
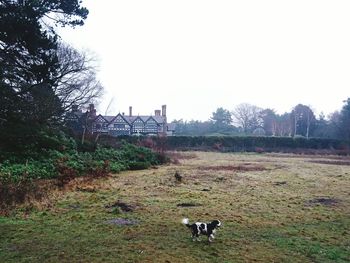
(138, 126)
(119, 126)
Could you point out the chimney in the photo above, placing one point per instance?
(92, 110)
(164, 110)
(157, 112)
(130, 111)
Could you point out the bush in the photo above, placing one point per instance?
(68, 163)
(132, 153)
(56, 156)
(135, 165)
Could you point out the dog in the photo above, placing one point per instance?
(199, 228)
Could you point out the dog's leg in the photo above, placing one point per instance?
(194, 237)
(211, 238)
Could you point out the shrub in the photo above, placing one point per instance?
(135, 165)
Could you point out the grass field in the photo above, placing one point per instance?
(274, 208)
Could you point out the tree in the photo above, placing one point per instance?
(283, 125)
(303, 120)
(221, 117)
(326, 127)
(30, 66)
(344, 121)
(248, 117)
(76, 83)
(269, 119)
(222, 120)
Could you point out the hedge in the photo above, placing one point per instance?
(233, 143)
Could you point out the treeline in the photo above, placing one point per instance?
(247, 119)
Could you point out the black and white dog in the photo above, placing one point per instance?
(200, 228)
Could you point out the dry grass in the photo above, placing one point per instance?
(274, 209)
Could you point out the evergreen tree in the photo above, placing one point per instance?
(344, 121)
(29, 65)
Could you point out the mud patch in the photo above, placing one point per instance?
(280, 183)
(334, 162)
(326, 201)
(188, 205)
(245, 167)
(122, 222)
(123, 206)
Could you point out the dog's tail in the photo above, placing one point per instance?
(186, 222)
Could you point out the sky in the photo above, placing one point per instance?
(198, 55)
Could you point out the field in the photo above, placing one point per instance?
(274, 208)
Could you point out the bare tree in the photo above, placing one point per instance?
(247, 116)
(76, 83)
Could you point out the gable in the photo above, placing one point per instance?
(138, 120)
(119, 119)
(100, 119)
(151, 121)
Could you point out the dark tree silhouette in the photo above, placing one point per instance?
(30, 65)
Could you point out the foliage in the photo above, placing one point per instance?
(199, 128)
(303, 120)
(78, 163)
(249, 143)
(344, 121)
(252, 120)
(59, 158)
(40, 78)
(222, 120)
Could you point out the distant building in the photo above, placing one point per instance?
(120, 124)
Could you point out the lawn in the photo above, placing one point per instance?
(274, 208)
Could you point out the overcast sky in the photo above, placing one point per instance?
(196, 56)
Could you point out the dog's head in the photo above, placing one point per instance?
(216, 223)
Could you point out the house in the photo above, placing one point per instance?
(122, 124)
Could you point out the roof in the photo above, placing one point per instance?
(131, 119)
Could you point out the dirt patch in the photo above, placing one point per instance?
(87, 188)
(323, 201)
(245, 167)
(334, 162)
(187, 204)
(122, 222)
(182, 155)
(280, 183)
(175, 157)
(123, 206)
